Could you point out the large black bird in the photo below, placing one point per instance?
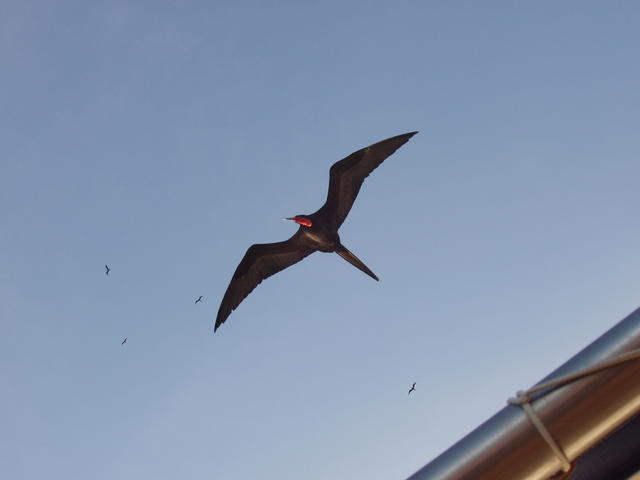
(317, 232)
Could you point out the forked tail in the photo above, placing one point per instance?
(355, 261)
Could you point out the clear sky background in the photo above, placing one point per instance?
(164, 138)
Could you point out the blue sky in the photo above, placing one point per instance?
(164, 138)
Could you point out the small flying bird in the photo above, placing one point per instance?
(199, 299)
(107, 268)
(318, 231)
(413, 387)
(124, 341)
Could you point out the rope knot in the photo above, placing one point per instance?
(521, 398)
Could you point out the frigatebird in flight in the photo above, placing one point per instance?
(318, 231)
(107, 268)
(199, 299)
(413, 387)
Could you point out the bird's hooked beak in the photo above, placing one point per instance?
(305, 222)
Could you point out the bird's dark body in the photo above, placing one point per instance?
(318, 231)
(321, 235)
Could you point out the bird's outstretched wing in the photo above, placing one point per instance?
(347, 175)
(261, 261)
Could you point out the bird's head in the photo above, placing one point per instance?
(301, 220)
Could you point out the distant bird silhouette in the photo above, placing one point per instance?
(413, 387)
(318, 231)
(199, 299)
(108, 269)
(124, 341)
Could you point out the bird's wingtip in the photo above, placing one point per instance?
(407, 135)
(220, 318)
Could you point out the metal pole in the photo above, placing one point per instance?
(615, 457)
(578, 415)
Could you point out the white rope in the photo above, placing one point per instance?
(523, 399)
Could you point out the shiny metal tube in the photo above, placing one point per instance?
(617, 457)
(578, 415)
